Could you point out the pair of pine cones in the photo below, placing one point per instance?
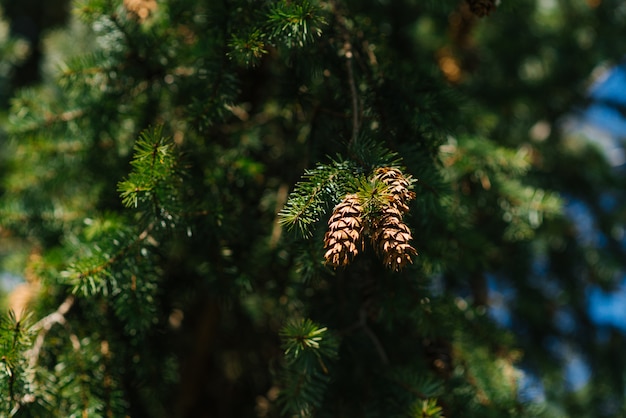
(388, 234)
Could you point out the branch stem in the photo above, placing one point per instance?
(44, 325)
(353, 92)
(372, 336)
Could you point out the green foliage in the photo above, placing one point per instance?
(305, 336)
(309, 349)
(155, 179)
(295, 23)
(480, 168)
(247, 49)
(15, 338)
(288, 24)
(310, 198)
(427, 408)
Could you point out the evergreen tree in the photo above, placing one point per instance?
(268, 208)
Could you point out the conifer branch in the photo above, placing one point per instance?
(155, 175)
(310, 197)
(63, 116)
(85, 66)
(45, 119)
(77, 277)
(307, 349)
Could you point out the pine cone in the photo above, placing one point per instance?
(343, 239)
(398, 186)
(482, 7)
(391, 238)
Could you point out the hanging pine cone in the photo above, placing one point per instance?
(390, 238)
(343, 240)
(482, 7)
(398, 186)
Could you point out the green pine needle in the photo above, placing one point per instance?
(321, 187)
(295, 23)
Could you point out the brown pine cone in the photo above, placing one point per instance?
(390, 238)
(343, 240)
(398, 186)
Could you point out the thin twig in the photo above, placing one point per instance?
(353, 92)
(44, 325)
(377, 344)
(281, 198)
(348, 52)
(411, 389)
